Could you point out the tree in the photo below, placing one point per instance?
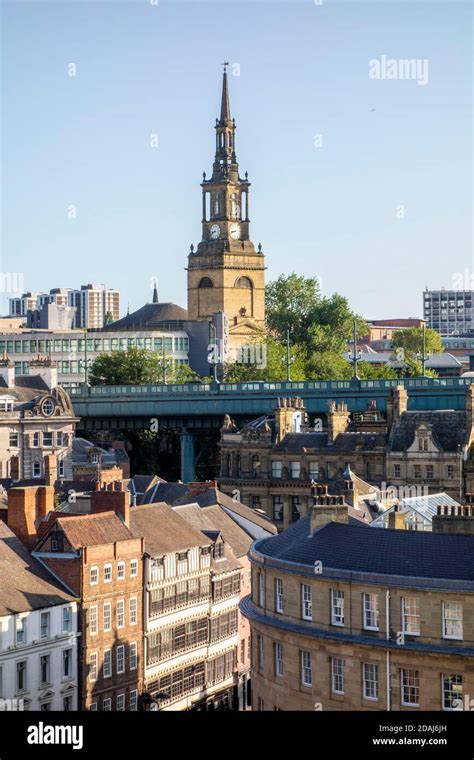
(275, 364)
(408, 348)
(138, 366)
(411, 340)
(109, 318)
(291, 302)
(328, 365)
(317, 323)
(368, 371)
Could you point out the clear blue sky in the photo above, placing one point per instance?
(327, 211)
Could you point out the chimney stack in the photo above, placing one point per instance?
(109, 500)
(327, 508)
(338, 419)
(50, 469)
(46, 369)
(290, 414)
(26, 507)
(7, 370)
(457, 519)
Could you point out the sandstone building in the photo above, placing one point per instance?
(349, 618)
(272, 461)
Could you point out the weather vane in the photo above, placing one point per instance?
(225, 64)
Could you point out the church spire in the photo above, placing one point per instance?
(225, 106)
(155, 293)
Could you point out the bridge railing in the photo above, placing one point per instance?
(290, 387)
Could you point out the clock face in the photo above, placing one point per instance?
(215, 231)
(234, 231)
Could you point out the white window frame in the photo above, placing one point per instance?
(94, 572)
(370, 681)
(133, 610)
(133, 655)
(107, 606)
(412, 613)
(275, 469)
(278, 660)
(306, 602)
(306, 666)
(337, 672)
(120, 613)
(402, 687)
(107, 705)
(133, 700)
(261, 589)
(47, 614)
(133, 568)
(120, 658)
(93, 620)
(107, 568)
(295, 469)
(447, 604)
(120, 702)
(453, 696)
(371, 611)
(279, 604)
(107, 671)
(337, 618)
(93, 666)
(121, 571)
(67, 610)
(66, 677)
(21, 625)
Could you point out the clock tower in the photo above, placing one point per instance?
(225, 272)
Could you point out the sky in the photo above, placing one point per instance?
(362, 180)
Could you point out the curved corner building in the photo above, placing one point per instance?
(351, 618)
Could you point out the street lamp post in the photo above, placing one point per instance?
(215, 352)
(423, 355)
(288, 359)
(356, 355)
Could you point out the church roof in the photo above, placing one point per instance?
(151, 316)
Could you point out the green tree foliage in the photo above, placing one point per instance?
(367, 371)
(137, 366)
(275, 364)
(408, 348)
(294, 303)
(411, 340)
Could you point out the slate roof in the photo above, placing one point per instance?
(415, 554)
(216, 518)
(25, 584)
(151, 316)
(296, 442)
(448, 429)
(214, 496)
(164, 530)
(80, 447)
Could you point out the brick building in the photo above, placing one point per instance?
(348, 618)
(99, 560)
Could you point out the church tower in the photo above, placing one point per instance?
(226, 273)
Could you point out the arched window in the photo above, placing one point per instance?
(244, 282)
(239, 465)
(206, 282)
(229, 465)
